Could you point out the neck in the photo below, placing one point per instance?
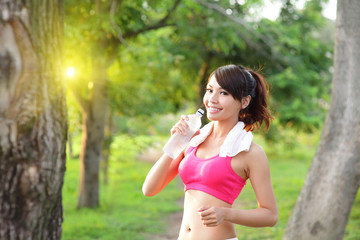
(221, 129)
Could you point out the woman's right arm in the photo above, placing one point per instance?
(166, 168)
(163, 171)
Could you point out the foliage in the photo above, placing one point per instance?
(144, 70)
(296, 58)
(157, 71)
(294, 55)
(302, 88)
(113, 32)
(154, 125)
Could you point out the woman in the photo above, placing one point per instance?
(218, 161)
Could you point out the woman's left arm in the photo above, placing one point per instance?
(266, 214)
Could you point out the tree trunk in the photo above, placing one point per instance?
(70, 147)
(325, 202)
(33, 120)
(95, 109)
(106, 148)
(203, 76)
(94, 119)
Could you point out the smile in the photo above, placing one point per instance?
(213, 109)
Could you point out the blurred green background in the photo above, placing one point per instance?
(149, 60)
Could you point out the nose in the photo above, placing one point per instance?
(213, 98)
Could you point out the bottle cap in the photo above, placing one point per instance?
(200, 112)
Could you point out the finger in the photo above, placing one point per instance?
(206, 214)
(175, 129)
(185, 117)
(183, 128)
(210, 223)
(178, 128)
(201, 209)
(184, 124)
(172, 130)
(197, 133)
(207, 217)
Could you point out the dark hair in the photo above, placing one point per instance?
(240, 82)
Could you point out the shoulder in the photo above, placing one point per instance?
(254, 157)
(257, 162)
(255, 152)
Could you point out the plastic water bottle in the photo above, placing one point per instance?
(178, 142)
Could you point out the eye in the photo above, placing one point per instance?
(209, 90)
(224, 93)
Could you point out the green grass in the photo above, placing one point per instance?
(125, 213)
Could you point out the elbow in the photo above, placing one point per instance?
(273, 220)
(147, 193)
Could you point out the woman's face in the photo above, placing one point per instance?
(220, 105)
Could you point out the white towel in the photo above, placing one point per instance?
(237, 140)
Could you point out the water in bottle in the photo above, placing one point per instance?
(178, 142)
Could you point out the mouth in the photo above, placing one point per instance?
(213, 109)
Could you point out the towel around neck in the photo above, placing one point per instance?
(237, 140)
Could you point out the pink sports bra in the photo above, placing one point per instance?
(214, 176)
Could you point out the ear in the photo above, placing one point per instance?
(245, 101)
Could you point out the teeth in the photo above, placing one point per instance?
(214, 109)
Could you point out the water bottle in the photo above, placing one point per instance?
(178, 142)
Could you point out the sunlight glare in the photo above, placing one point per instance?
(70, 72)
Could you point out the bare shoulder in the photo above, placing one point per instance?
(257, 162)
(244, 161)
(256, 150)
(256, 155)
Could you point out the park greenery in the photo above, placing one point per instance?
(154, 57)
(155, 67)
(126, 214)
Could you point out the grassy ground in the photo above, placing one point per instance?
(126, 214)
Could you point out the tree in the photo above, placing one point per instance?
(109, 25)
(33, 122)
(325, 201)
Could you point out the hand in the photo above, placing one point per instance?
(181, 127)
(211, 216)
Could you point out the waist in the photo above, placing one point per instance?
(192, 226)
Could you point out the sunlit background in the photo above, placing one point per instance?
(140, 65)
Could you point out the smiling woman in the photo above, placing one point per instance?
(217, 162)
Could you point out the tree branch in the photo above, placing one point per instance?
(160, 24)
(249, 42)
(113, 7)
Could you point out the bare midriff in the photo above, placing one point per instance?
(192, 227)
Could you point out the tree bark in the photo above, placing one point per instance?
(325, 201)
(108, 138)
(33, 119)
